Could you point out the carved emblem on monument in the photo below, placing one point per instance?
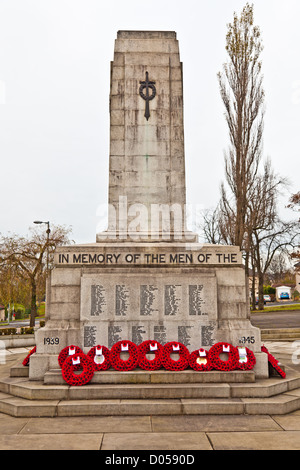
(147, 85)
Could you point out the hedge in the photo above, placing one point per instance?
(13, 331)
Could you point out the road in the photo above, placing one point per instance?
(19, 323)
(282, 303)
(286, 319)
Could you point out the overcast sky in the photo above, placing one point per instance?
(54, 94)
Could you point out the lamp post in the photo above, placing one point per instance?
(48, 236)
(38, 222)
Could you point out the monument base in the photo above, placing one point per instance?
(150, 393)
(102, 293)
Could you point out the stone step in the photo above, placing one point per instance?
(19, 371)
(22, 407)
(280, 337)
(280, 334)
(38, 390)
(139, 376)
(20, 396)
(281, 330)
(280, 405)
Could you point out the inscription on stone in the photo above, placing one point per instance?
(160, 334)
(184, 335)
(122, 300)
(148, 299)
(130, 258)
(89, 336)
(140, 307)
(207, 335)
(196, 301)
(98, 300)
(113, 335)
(138, 334)
(172, 299)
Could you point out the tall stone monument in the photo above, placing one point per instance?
(147, 169)
(146, 277)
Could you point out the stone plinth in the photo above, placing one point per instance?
(102, 293)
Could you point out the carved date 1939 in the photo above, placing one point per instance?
(51, 341)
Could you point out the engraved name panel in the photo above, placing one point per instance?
(120, 306)
(122, 300)
(148, 299)
(172, 298)
(98, 300)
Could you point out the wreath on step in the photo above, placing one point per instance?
(75, 363)
(100, 355)
(171, 348)
(246, 359)
(121, 364)
(27, 358)
(199, 360)
(230, 363)
(274, 362)
(148, 347)
(66, 352)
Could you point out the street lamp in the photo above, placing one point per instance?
(48, 236)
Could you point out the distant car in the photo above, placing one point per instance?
(256, 300)
(267, 298)
(284, 295)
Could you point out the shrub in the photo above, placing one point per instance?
(27, 330)
(269, 290)
(19, 315)
(8, 331)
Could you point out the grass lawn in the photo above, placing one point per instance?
(278, 308)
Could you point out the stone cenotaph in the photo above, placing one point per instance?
(146, 276)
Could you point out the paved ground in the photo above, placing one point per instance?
(154, 433)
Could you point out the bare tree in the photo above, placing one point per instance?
(294, 204)
(27, 257)
(243, 97)
(211, 226)
(268, 243)
(279, 268)
(248, 215)
(263, 225)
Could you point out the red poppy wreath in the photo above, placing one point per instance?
(247, 359)
(171, 364)
(274, 363)
(100, 355)
(220, 364)
(148, 347)
(76, 362)
(120, 364)
(68, 351)
(199, 360)
(27, 358)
